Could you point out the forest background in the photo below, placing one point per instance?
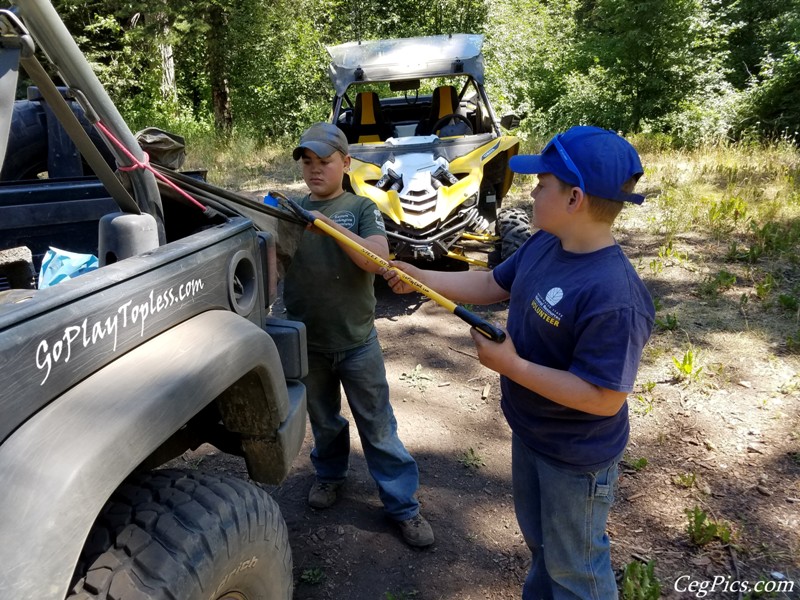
(684, 72)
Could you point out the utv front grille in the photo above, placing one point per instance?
(438, 231)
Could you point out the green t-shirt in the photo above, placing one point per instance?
(323, 288)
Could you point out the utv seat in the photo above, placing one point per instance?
(368, 124)
(444, 102)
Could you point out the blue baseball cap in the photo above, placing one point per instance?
(596, 160)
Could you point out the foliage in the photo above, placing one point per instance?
(471, 459)
(638, 464)
(757, 29)
(528, 59)
(692, 71)
(713, 285)
(703, 530)
(645, 399)
(703, 119)
(685, 480)
(668, 323)
(724, 216)
(793, 342)
(652, 53)
(278, 75)
(639, 582)
(312, 576)
(686, 367)
(769, 107)
(374, 19)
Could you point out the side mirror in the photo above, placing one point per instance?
(509, 121)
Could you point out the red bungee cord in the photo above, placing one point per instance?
(137, 164)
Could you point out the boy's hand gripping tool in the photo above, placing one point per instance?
(484, 327)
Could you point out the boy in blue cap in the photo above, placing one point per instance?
(578, 320)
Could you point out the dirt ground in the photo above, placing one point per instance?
(726, 442)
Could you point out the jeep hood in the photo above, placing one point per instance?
(406, 58)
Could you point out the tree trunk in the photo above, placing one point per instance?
(169, 89)
(217, 52)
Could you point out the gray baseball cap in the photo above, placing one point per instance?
(323, 139)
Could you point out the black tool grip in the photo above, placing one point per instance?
(300, 211)
(484, 327)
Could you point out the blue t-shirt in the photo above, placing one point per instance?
(588, 314)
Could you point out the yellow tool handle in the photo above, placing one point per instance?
(484, 327)
(417, 285)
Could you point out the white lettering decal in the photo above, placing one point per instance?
(85, 334)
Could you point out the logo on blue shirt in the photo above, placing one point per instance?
(544, 307)
(554, 296)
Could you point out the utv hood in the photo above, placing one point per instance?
(406, 58)
(450, 149)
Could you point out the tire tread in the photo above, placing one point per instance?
(165, 536)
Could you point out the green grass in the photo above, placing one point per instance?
(685, 480)
(703, 530)
(687, 368)
(243, 163)
(637, 464)
(721, 226)
(471, 459)
(722, 190)
(720, 223)
(639, 582)
(312, 576)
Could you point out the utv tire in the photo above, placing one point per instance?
(513, 228)
(185, 535)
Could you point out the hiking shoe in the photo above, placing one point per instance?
(324, 494)
(416, 531)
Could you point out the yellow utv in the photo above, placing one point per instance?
(426, 146)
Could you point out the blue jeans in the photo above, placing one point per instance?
(361, 373)
(562, 515)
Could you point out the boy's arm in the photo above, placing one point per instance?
(556, 385)
(471, 287)
(376, 244)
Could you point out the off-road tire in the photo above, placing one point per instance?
(185, 535)
(513, 227)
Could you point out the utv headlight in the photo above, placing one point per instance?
(471, 201)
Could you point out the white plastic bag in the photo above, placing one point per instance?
(60, 265)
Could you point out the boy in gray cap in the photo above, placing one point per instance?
(578, 319)
(329, 287)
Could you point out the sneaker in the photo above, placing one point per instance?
(416, 531)
(324, 494)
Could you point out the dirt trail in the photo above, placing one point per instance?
(727, 444)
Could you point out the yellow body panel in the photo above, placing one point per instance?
(449, 197)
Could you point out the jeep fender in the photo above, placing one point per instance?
(68, 459)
